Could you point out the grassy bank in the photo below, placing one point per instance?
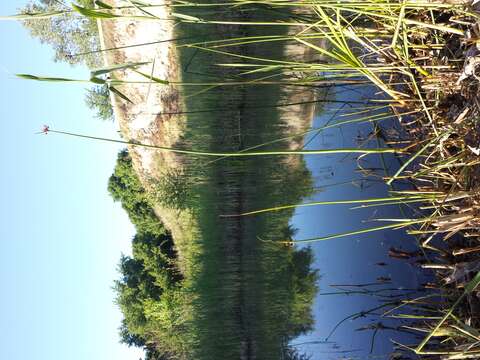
(253, 296)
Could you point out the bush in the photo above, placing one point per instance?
(171, 190)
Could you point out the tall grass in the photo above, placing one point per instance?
(134, 143)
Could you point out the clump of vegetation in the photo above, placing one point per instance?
(150, 292)
(171, 190)
(125, 186)
(422, 62)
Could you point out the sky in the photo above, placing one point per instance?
(61, 235)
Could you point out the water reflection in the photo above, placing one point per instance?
(361, 279)
(254, 297)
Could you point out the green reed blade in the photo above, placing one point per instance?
(33, 16)
(236, 154)
(336, 202)
(93, 14)
(358, 232)
(109, 69)
(49, 79)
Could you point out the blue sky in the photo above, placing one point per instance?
(61, 235)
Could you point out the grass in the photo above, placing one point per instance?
(415, 63)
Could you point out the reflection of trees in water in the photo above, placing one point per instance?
(252, 297)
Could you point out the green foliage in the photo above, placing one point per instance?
(98, 99)
(150, 291)
(249, 293)
(171, 190)
(152, 301)
(124, 186)
(304, 281)
(68, 34)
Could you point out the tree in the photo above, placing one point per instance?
(125, 186)
(129, 339)
(74, 38)
(98, 99)
(153, 303)
(150, 291)
(69, 34)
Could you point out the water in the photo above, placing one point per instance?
(257, 298)
(359, 259)
(254, 296)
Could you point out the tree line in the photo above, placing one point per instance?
(150, 291)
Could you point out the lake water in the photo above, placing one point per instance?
(256, 297)
(358, 259)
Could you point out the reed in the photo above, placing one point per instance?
(134, 143)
